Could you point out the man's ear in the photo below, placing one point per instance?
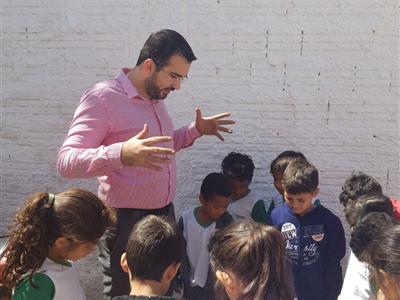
(124, 263)
(171, 270)
(149, 66)
(316, 192)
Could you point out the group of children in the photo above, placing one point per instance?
(234, 244)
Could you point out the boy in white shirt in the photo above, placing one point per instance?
(198, 224)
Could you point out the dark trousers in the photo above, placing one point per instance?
(113, 244)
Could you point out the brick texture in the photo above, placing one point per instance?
(321, 77)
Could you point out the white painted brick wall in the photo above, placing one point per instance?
(317, 76)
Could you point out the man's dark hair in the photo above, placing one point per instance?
(161, 45)
(300, 177)
(154, 244)
(358, 184)
(238, 166)
(280, 163)
(357, 208)
(215, 183)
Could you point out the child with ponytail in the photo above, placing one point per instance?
(250, 263)
(47, 235)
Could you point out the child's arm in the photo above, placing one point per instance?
(335, 251)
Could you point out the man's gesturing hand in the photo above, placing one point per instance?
(137, 151)
(213, 125)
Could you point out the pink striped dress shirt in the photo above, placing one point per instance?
(110, 113)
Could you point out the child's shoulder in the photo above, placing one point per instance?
(326, 212)
(325, 216)
(188, 212)
(281, 210)
(44, 288)
(281, 214)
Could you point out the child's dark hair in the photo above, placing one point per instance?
(359, 207)
(366, 231)
(215, 183)
(385, 254)
(300, 177)
(75, 214)
(358, 184)
(238, 166)
(154, 244)
(280, 163)
(255, 253)
(161, 45)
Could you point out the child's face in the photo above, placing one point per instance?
(278, 182)
(302, 203)
(239, 188)
(215, 207)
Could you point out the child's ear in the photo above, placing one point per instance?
(316, 192)
(170, 271)
(384, 278)
(62, 243)
(124, 263)
(201, 198)
(225, 279)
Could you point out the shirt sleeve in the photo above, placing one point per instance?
(184, 137)
(259, 213)
(335, 251)
(82, 154)
(44, 288)
(356, 284)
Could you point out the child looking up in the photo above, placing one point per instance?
(245, 205)
(48, 234)
(152, 258)
(250, 263)
(314, 235)
(198, 224)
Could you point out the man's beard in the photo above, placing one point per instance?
(154, 91)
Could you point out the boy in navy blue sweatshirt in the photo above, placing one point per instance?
(315, 241)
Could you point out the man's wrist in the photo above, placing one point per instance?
(114, 154)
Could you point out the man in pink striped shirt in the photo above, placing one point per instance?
(122, 134)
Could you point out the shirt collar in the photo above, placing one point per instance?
(127, 85)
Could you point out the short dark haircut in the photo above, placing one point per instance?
(280, 163)
(154, 244)
(161, 45)
(238, 166)
(361, 206)
(215, 183)
(358, 184)
(300, 177)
